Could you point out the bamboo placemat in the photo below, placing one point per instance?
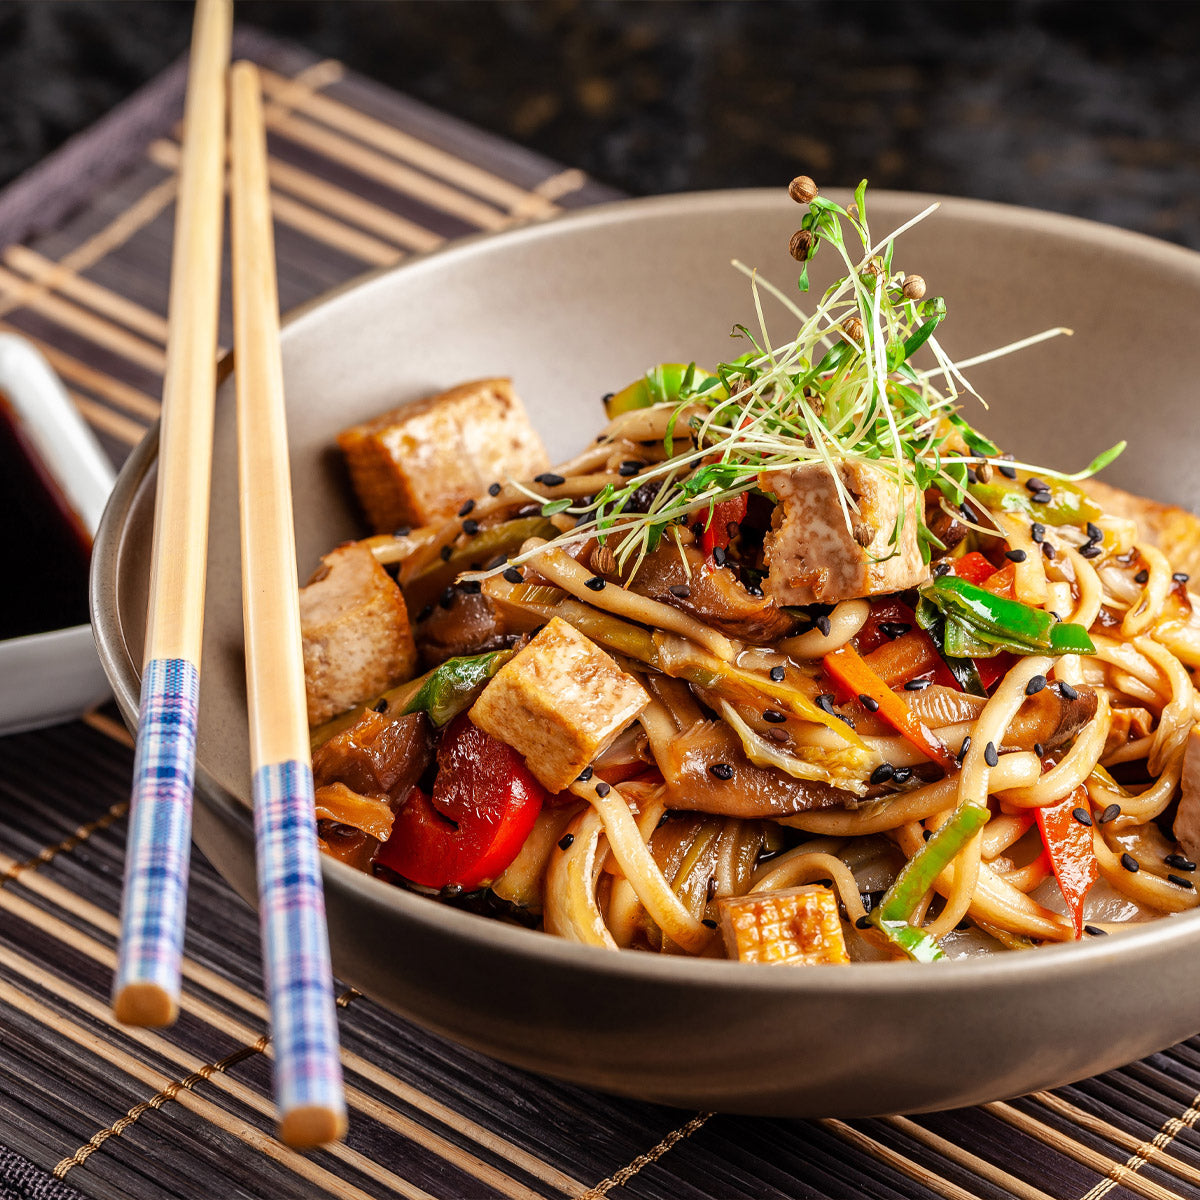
(364, 177)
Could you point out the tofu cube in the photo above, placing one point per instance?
(813, 558)
(355, 630)
(795, 927)
(559, 702)
(418, 463)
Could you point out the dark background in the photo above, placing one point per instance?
(1089, 108)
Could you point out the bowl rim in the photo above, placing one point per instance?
(1142, 943)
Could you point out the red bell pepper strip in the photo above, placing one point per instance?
(1069, 847)
(724, 513)
(973, 567)
(848, 669)
(483, 806)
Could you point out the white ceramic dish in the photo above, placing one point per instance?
(49, 677)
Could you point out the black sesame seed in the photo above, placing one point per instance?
(1048, 551)
(1181, 577)
(776, 674)
(697, 530)
(602, 789)
(467, 505)
(1179, 862)
(868, 702)
(1037, 531)
(470, 527)
(1039, 749)
(681, 590)
(708, 923)
(1091, 550)
(403, 531)
(824, 626)
(1035, 685)
(721, 770)
(470, 587)
(424, 613)
(940, 570)
(565, 842)
(1179, 881)
(447, 597)
(607, 397)
(1130, 863)
(595, 584)
(629, 467)
(989, 754)
(1094, 532)
(493, 489)
(719, 555)
(446, 552)
(774, 717)
(1007, 472)
(863, 922)
(883, 773)
(1067, 691)
(549, 479)
(962, 750)
(1142, 577)
(902, 775)
(452, 891)
(917, 685)
(513, 575)
(894, 629)
(1034, 484)
(825, 702)
(1082, 816)
(1016, 555)
(972, 477)
(1095, 931)
(380, 706)
(584, 775)
(710, 889)
(1111, 813)
(845, 717)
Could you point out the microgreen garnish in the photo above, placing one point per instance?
(843, 390)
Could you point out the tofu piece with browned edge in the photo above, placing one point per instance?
(795, 927)
(1174, 530)
(559, 702)
(419, 462)
(813, 558)
(356, 633)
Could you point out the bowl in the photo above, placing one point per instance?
(52, 676)
(572, 309)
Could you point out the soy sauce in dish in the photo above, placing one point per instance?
(44, 546)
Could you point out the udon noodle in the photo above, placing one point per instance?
(790, 664)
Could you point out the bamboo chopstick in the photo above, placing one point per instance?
(299, 979)
(153, 906)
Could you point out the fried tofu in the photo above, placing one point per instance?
(795, 927)
(418, 463)
(559, 702)
(355, 630)
(1174, 530)
(813, 558)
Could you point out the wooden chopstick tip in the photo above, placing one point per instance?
(311, 1126)
(145, 1005)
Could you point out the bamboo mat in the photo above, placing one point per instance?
(363, 177)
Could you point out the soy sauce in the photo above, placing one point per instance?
(44, 546)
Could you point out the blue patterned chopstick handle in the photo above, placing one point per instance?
(296, 965)
(154, 904)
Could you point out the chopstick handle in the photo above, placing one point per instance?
(146, 989)
(308, 1072)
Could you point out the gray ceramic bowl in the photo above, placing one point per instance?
(572, 309)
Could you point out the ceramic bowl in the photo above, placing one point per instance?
(52, 676)
(573, 309)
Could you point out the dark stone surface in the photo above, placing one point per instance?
(1076, 105)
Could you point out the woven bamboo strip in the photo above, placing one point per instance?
(81, 909)
(52, 276)
(97, 329)
(1107, 1167)
(1015, 1187)
(107, 421)
(104, 724)
(893, 1158)
(122, 227)
(1150, 1149)
(387, 171)
(407, 148)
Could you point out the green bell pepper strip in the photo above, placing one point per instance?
(891, 915)
(1068, 504)
(985, 623)
(662, 385)
(929, 618)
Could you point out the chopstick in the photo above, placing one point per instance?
(299, 978)
(154, 901)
